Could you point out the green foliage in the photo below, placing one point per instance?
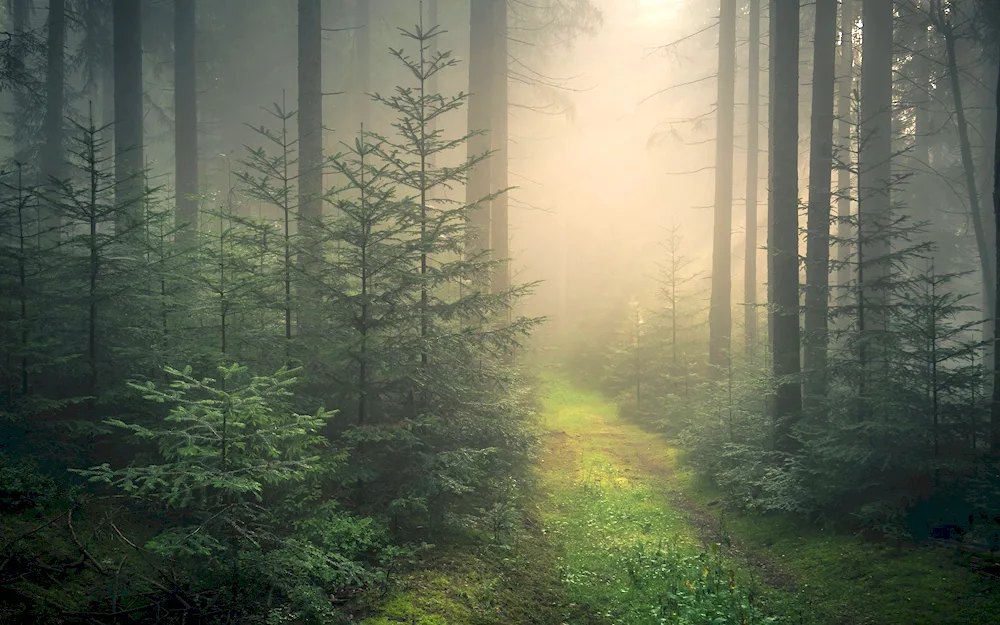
(214, 491)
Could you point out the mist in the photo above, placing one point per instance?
(499, 312)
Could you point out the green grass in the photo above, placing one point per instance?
(617, 545)
(629, 557)
(844, 579)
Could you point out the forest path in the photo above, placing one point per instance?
(618, 532)
(617, 491)
(634, 550)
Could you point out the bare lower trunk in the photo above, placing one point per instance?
(720, 312)
(186, 123)
(818, 224)
(480, 87)
(129, 160)
(499, 239)
(753, 164)
(784, 223)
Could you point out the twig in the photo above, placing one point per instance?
(83, 550)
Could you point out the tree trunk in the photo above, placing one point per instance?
(53, 158)
(477, 188)
(20, 12)
(186, 122)
(499, 241)
(129, 160)
(818, 220)
(310, 124)
(784, 223)
(720, 310)
(362, 72)
(753, 166)
(845, 114)
(875, 152)
(771, 123)
(995, 407)
(969, 166)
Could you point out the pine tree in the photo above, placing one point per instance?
(186, 113)
(128, 109)
(818, 226)
(783, 237)
(720, 323)
(753, 166)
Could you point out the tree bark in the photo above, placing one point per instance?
(186, 122)
(477, 188)
(53, 158)
(720, 310)
(129, 160)
(362, 51)
(995, 406)
(753, 167)
(310, 35)
(875, 155)
(20, 11)
(845, 115)
(785, 235)
(818, 217)
(968, 165)
(500, 241)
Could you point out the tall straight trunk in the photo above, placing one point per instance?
(771, 124)
(845, 114)
(720, 310)
(995, 406)
(969, 166)
(875, 152)
(987, 131)
(310, 127)
(784, 223)
(818, 219)
(362, 51)
(499, 235)
(129, 160)
(20, 11)
(108, 111)
(481, 53)
(920, 152)
(186, 123)
(753, 166)
(53, 158)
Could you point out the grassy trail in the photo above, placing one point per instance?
(617, 534)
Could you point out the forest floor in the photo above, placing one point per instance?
(617, 531)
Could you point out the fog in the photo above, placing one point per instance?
(609, 176)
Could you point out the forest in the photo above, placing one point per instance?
(499, 312)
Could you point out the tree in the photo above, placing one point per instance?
(818, 220)
(943, 23)
(875, 129)
(499, 235)
(481, 55)
(993, 13)
(844, 113)
(783, 238)
(186, 112)
(129, 160)
(53, 158)
(753, 164)
(720, 313)
(310, 123)
(362, 69)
